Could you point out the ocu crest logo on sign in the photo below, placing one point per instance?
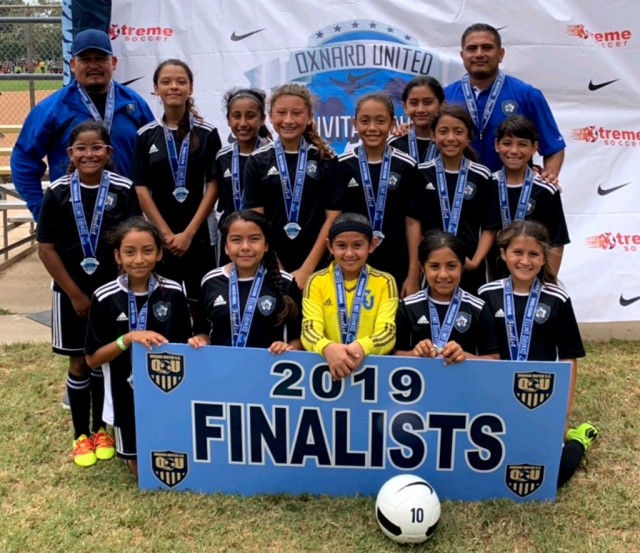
(166, 370)
(532, 389)
(524, 479)
(170, 467)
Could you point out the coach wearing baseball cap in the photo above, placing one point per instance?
(93, 95)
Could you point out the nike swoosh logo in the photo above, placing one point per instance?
(605, 191)
(131, 81)
(597, 86)
(236, 37)
(627, 302)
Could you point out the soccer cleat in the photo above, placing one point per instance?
(586, 433)
(103, 444)
(84, 454)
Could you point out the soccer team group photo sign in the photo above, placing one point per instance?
(244, 421)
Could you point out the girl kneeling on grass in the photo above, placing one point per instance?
(534, 320)
(249, 302)
(135, 307)
(349, 309)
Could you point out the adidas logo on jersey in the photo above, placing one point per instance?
(499, 313)
(328, 302)
(227, 174)
(122, 317)
(219, 301)
(153, 149)
(430, 186)
(423, 320)
(272, 171)
(353, 183)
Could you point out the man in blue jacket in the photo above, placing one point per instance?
(94, 94)
(490, 96)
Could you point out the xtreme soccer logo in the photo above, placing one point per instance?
(140, 34)
(614, 240)
(609, 137)
(606, 39)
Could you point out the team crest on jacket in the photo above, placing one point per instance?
(463, 322)
(161, 310)
(110, 201)
(532, 389)
(170, 467)
(524, 479)
(166, 370)
(394, 179)
(542, 313)
(266, 305)
(312, 168)
(509, 107)
(469, 191)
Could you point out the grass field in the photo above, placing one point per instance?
(19, 86)
(48, 504)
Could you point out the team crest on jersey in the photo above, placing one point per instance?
(170, 467)
(312, 168)
(463, 322)
(266, 305)
(542, 313)
(469, 191)
(110, 201)
(166, 370)
(531, 204)
(394, 179)
(161, 310)
(509, 107)
(524, 479)
(533, 389)
(368, 301)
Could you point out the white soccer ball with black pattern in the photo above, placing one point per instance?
(407, 509)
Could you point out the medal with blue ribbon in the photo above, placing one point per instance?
(138, 319)
(109, 108)
(349, 326)
(472, 107)
(451, 215)
(523, 201)
(430, 154)
(178, 164)
(375, 206)
(89, 236)
(440, 337)
(519, 347)
(292, 198)
(241, 324)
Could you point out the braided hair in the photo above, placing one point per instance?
(289, 310)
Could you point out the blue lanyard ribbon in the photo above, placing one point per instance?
(241, 324)
(292, 197)
(523, 202)
(451, 215)
(109, 108)
(178, 164)
(349, 328)
(519, 348)
(89, 236)
(440, 337)
(413, 148)
(472, 107)
(235, 175)
(375, 206)
(138, 319)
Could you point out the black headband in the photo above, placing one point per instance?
(247, 93)
(350, 226)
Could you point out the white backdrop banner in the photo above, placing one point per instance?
(581, 53)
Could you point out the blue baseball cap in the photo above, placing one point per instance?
(92, 39)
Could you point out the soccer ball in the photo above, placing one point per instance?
(407, 509)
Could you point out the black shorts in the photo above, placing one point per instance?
(68, 329)
(125, 436)
(189, 269)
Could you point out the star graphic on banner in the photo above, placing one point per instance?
(407, 37)
(390, 29)
(355, 25)
(319, 34)
(337, 28)
(372, 25)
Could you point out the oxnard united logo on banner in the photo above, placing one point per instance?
(344, 61)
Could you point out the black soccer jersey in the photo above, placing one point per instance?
(402, 143)
(57, 225)
(392, 255)
(473, 327)
(322, 191)
(168, 315)
(150, 167)
(213, 316)
(555, 332)
(223, 172)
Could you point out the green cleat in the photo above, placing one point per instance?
(586, 433)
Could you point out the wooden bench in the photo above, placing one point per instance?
(12, 221)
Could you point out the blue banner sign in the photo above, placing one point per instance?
(240, 420)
